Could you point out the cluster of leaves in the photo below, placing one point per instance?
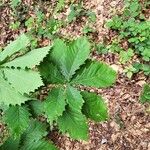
(77, 11)
(32, 138)
(101, 48)
(16, 74)
(18, 77)
(15, 3)
(134, 28)
(39, 27)
(67, 66)
(42, 26)
(69, 69)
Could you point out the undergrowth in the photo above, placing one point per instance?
(133, 37)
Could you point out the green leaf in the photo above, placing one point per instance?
(17, 119)
(76, 55)
(15, 25)
(29, 60)
(87, 29)
(60, 5)
(3, 107)
(36, 131)
(14, 3)
(73, 55)
(115, 23)
(55, 104)
(33, 138)
(21, 42)
(39, 145)
(9, 95)
(73, 14)
(94, 107)
(23, 81)
(36, 107)
(96, 74)
(126, 55)
(145, 95)
(58, 52)
(11, 144)
(102, 48)
(74, 98)
(50, 73)
(30, 23)
(74, 123)
(92, 16)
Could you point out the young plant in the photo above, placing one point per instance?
(67, 68)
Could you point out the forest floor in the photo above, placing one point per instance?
(129, 125)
